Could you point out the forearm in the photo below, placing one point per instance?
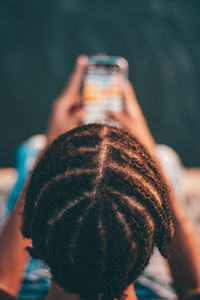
(184, 253)
(13, 255)
(184, 250)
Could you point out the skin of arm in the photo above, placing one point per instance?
(184, 258)
(13, 255)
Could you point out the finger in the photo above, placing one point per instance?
(76, 79)
(127, 88)
(72, 103)
(130, 90)
(131, 103)
(120, 117)
(65, 105)
(79, 115)
(75, 108)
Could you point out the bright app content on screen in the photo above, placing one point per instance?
(102, 89)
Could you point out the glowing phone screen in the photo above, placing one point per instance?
(101, 92)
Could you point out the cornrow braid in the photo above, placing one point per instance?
(95, 207)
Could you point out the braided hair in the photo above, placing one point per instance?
(95, 207)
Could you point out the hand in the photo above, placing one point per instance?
(66, 110)
(132, 118)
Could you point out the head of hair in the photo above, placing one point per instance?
(95, 207)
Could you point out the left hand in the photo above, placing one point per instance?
(66, 110)
(132, 117)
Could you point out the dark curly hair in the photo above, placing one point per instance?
(93, 212)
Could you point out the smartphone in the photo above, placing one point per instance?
(102, 91)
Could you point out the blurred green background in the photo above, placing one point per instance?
(160, 38)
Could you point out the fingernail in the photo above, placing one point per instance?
(82, 60)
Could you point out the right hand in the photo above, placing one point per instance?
(66, 110)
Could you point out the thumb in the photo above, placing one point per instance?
(130, 99)
(79, 116)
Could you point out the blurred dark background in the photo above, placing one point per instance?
(160, 38)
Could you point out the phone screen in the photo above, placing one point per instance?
(102, 92)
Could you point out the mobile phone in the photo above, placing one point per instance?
(102, 91)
